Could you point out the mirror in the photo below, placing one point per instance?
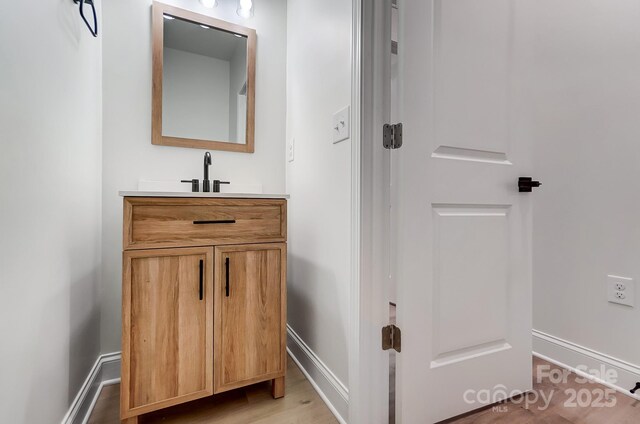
(203, 81)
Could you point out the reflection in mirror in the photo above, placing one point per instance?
(204, 92)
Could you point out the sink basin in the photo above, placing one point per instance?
(173, 186)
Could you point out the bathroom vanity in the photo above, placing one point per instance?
(203, 297)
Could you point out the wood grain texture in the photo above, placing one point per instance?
(249, 323)
(251, 91)
(167, 344)
(277, 387)
(157, 36)
(248, 405)
(153, 222)
(177, 348)
(157, 55)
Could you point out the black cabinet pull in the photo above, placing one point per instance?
(201, 279)
(226, 267)
(217, 221)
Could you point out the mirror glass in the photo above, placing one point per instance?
(204, 82)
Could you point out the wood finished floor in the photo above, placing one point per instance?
(254, 404)
(302, 405)
(626, 410)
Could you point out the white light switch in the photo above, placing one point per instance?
(290, 149)
(341, 128)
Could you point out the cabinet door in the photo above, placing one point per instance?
(250, 317)
(167, 328)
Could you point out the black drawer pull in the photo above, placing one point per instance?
(226, 267)
(218, 221)
(201, 279)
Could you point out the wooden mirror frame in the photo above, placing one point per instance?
(157, 29)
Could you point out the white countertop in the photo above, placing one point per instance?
(201, 194)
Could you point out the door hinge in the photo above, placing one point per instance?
(392, 136)
(391, 338)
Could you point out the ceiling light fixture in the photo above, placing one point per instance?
(245, 8)
(209, 4)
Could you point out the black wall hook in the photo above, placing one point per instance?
(81, 3)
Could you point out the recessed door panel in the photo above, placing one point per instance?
(472, 42)
(471, 281)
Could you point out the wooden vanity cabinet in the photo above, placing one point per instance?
(200, 320)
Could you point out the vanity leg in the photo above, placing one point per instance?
(132, 420)
(277, 387)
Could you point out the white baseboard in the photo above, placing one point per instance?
(104, 372)
(332, 391)
(335, 394)
(569, 355)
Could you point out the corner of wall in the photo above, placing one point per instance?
(331, 390)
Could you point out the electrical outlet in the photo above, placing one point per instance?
(621, 290)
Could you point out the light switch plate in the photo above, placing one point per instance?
(621, 290)
(291, 149)
(341, 128)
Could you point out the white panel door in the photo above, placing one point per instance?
(463, 230)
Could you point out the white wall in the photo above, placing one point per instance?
(585, 89)
(319, 179)
(50, 184)
(195, 93)
(128, 153)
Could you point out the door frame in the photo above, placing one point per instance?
(368, 363)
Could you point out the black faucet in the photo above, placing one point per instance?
(206, 183)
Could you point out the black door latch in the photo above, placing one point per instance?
(526, 184)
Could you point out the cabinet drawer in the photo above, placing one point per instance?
(151, 222)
